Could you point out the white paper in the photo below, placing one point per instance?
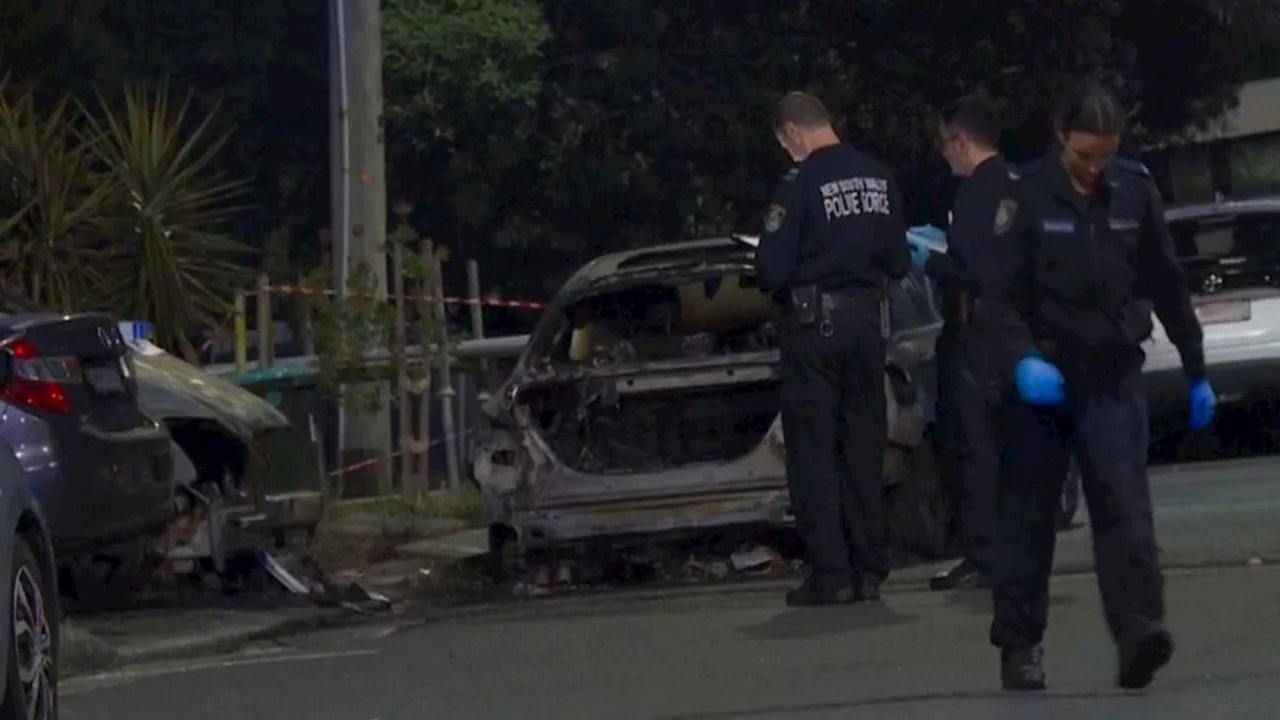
(938, 246)
(145, 347)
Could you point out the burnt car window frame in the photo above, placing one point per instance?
(556, 344)
(549, 334)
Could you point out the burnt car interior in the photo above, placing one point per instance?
(607, 425)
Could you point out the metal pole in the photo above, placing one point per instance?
(306, 321)
(240, 333)
(340, 145)
(340, 176)
(445, 373)
(402, 373)
(477, 324)
(265, 346)
(426, 321)
(464, 430)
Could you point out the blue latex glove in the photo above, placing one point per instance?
(1040, 383)
(919, 238)
(919, 254)
(1203, 400)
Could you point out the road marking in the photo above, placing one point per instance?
(100, 681)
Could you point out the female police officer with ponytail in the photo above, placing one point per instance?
(1083, 256)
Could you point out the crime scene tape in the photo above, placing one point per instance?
(371, 462)
(327, 292)
(418, 447)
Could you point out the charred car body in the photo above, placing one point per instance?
(646, 402)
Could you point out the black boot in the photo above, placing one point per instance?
(819, 591)
(963, 576)
(1142, 656)
(1022, 668)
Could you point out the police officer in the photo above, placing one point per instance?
(833, 235)
(967, 135)
(1088, 257)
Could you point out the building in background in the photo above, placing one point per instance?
(1241, 158)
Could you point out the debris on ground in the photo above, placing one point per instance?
(711, 558)
(706, 569)
(290, 581)
(757, 559)
(374, 574)
(212, 556)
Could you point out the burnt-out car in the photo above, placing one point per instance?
(646, 401)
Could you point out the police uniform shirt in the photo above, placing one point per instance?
(1085, 273)
(836, 222)
(969, 235)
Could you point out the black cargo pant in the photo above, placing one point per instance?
(1106, 421)
(967, 413)
(833, 419)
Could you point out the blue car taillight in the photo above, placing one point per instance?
(39, 382)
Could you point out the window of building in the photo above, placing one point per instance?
(1255, 165)
(1191, 174)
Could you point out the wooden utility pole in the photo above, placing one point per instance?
(360, 208)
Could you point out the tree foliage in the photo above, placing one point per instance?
(172, 264)
(117, 208)
(534, 134)
(350, 325)
(463, 80)
(51, 205)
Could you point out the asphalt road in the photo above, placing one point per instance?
(740, 654)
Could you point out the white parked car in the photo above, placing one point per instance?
(1231, 253)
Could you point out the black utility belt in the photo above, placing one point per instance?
(808, 305)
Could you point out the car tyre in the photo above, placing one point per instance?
(32, 687)
(920, 507)
(1069, 503)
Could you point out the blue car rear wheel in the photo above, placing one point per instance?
(32, 687)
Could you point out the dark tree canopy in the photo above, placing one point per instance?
(534, 134)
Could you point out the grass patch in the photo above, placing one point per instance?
(465, 504)
(353, 533)
(334, 550)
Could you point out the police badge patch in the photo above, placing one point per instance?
(773, 219)
(1005, 214)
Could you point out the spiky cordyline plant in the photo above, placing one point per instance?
(169, 262)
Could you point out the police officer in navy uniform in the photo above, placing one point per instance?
(967, 136)
(1088, 256)
(832, 238)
